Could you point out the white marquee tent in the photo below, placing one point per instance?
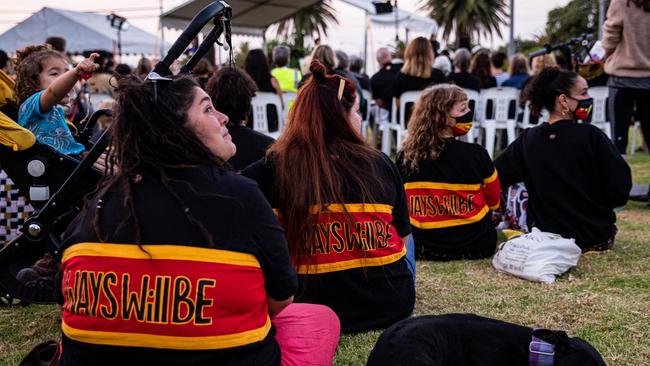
(407, 20)
(249, 17)
(252, 17)
(82, 32)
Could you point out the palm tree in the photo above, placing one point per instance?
(308, 21)
(468, 18)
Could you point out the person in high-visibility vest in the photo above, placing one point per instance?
(287, 76)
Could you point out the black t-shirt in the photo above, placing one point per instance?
(450, 199)
(575, 178)
(403, 82)
(488, 82)
(465, 80)
(178, 298)
(251, 146)
(382, 83)
(370, 288)
(363, 79)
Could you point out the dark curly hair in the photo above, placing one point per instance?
(231, 91)
(28, 65)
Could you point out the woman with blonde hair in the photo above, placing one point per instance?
(417, 72)
(451, 186)
(539, 63)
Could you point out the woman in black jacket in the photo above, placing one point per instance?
(574, 175)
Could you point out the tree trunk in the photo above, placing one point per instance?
(463, 40)
(298, 40)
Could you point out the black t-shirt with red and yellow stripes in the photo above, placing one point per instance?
(450, 199)
(175, 299)
(357, 265)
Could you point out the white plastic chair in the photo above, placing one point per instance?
(365, 122)
(398, 120)
(260, 117)
(525, 123)
(502, 98)
(599, 113)
(636, 127)
(473, 96)
(288, 98)
(387, 129)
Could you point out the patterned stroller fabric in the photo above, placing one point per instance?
(516, 205)
(14, 209)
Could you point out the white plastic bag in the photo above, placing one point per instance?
(537, 256)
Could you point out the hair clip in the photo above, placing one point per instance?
(341, 88)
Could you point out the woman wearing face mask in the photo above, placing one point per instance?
(574, 175)
(451, 186)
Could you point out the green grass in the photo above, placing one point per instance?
(605, 300)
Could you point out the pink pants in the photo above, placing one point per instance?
(308, 334)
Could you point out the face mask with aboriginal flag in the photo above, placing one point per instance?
(463, 124)
(583, 110)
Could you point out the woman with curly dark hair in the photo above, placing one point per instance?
(231, 91)
(451, 186)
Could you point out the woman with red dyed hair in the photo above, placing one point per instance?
(343, 208)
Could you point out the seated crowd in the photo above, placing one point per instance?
(213, 243)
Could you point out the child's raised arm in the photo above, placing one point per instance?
(62, 85)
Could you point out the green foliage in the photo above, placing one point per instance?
(397, 50)
(572, 20)
(308, 22)
(241, 53)
(468, 19)
(524, 46)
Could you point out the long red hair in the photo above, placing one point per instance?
(316, 155)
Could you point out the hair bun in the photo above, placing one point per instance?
(318, 70)
(548, 74)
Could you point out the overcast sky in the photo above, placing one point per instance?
(530, 18)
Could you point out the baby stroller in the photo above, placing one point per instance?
(56, 184)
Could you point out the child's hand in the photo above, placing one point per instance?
(87, 66)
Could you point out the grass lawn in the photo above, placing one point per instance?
(605, 300)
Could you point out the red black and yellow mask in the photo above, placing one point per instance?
(463, 124)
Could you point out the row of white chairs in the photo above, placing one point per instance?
(261, 117)
(263, 99)
(500, 118)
